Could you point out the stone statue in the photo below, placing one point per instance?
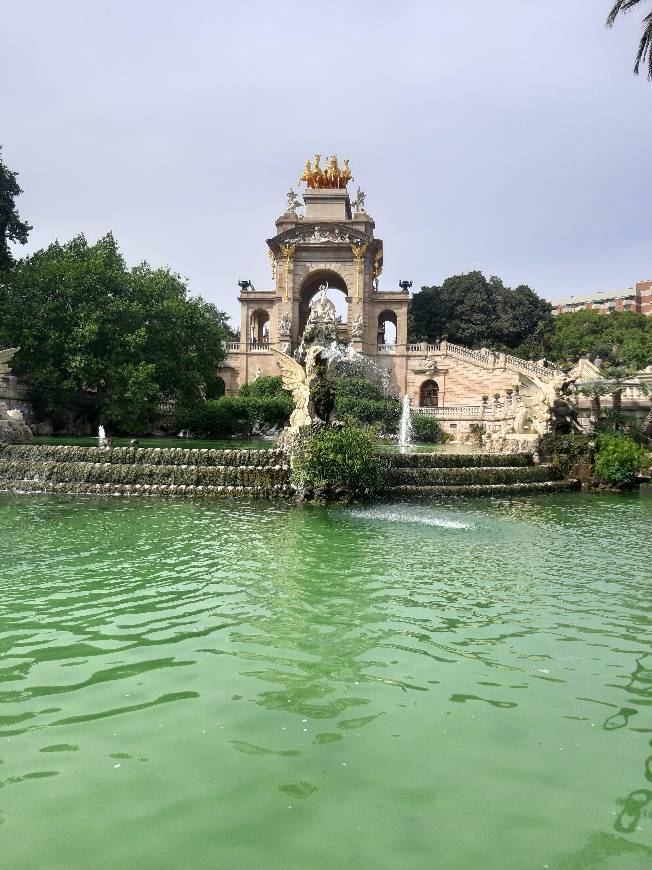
(358, 202)
(357, 326)
(310, 387)
(5, 357)
(323, 310)
(293, 203)
(285, 324)
(258, 373)
(13, 428)
(429, 364)
(545, 406)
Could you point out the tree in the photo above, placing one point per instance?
(473, 311)
(644, 53)
(12, 229)
(521, 315)
(107, 342)
(619, 338)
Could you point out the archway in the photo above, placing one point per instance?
(310, 288)
(387, 327)
(259, 327)
(429, 394)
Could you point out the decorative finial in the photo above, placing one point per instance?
(293, 202)
(358, 202)
(405, 286)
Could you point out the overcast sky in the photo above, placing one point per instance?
(507, 136)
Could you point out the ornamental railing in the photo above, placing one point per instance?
(528, 367)
(386, 348)
(451, 412)
(484, 357)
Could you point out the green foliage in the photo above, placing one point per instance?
(619, 338)
(265, 388)
(616, 421)
(333, 458)
(468, 309)
(618, 460)
(126, 339)
(565, 451)
(427, 429)
(12, 229)
(359, 401)
(230, 415)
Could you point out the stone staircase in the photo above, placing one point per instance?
(143, 471)
(425, 474)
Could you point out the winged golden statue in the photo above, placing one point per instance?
(311, 405)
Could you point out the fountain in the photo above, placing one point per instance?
(101, 436)
(405, 427)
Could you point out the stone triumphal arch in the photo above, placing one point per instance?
(329, 240)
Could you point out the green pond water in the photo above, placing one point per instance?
(452, 685)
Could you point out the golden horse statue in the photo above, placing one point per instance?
(331, 177)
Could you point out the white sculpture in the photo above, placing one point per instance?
(538, 400)
(358, 202)
(322, 310)
(285, 324)
(357, 326)
(293, 203)
(13, 428)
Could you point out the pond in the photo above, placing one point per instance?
(454, 685)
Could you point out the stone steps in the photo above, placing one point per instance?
(549, 486)
(143, 455)
(433, 476)
(458, 460)
(144, 471)
(176, 490)
(428, 474)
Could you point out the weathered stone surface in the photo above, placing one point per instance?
(13, 429)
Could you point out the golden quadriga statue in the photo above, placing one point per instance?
(332, 176)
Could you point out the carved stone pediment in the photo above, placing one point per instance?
(319, 234)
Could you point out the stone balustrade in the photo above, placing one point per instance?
(453, 412)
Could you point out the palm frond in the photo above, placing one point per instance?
(645, 48)
(621, 6)
(644, 53)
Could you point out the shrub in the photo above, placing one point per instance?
(427, 429)
(360, 401)
(333, 458)
(574, 447)
(618, 421)
(269, 387)
(221, 418)
(618, 460)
